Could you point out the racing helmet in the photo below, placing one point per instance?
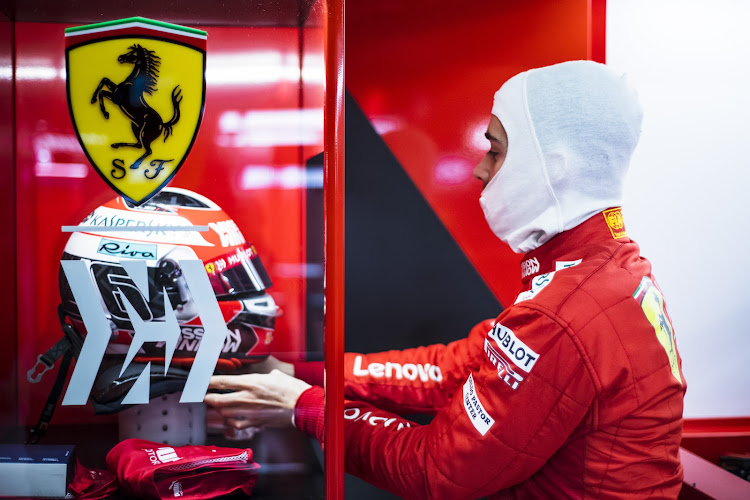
(233, 267)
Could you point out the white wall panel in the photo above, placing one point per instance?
(687, 199)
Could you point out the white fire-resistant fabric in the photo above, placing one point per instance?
(572, 128)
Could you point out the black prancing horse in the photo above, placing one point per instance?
(146, 123)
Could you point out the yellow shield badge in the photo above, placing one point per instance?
(136, 93)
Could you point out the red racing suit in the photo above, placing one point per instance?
(574, 391)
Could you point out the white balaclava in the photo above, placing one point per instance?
(572, 128)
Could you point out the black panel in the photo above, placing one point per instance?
(314, 293)
(408, 283)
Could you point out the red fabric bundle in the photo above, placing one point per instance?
(92, 484)
(155, 470)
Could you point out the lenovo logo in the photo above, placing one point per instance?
(409, 371)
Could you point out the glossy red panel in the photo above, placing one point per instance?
(712, 438)
(258, 129)
(8, 386)
(598, 31)
(425, 75)
(334, 249)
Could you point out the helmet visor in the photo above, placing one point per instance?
(238, 273)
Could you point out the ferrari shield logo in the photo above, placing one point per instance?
(136, 92)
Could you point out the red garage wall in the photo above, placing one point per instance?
(425, 73)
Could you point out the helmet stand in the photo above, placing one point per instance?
(165, 420)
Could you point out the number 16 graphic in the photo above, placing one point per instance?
(168, 331)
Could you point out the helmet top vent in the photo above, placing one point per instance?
(174, 199)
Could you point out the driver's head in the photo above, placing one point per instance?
(561, 138)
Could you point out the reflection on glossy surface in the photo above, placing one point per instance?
(258, 131)
(244, 68)
(452, 170)
(47, 183)
(50, 151)
(247, 68)
(40, 73)
(273, 127)
(288, 177)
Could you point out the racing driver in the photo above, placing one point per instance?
(575, 390)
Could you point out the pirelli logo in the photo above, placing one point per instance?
(509, 355)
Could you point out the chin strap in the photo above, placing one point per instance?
(67, 347)
(36, 433)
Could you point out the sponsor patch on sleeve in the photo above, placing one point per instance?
(509, 355)
(477, 414)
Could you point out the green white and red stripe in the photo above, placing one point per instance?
(135, 27)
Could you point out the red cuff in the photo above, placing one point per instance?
(309, 371)
(309, 412)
